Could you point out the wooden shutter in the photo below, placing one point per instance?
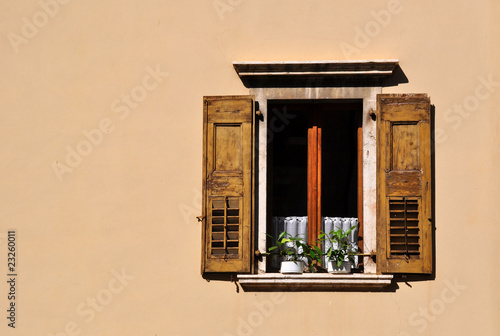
(404, 205)
(228, 183)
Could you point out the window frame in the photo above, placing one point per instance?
(369, 97)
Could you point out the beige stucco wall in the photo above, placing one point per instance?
(128, 207)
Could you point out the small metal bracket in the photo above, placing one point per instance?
(258, 255)
(259, 115)
(369, 254)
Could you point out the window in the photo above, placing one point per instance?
(314, 161)
(384, 178)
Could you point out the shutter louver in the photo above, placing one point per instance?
(228, 184)
(404, 205)
(404, 231)
(224, 226)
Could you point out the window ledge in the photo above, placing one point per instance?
(314, 282)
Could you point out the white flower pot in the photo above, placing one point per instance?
(292, 267)
(344, 268)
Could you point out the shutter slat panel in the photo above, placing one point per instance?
(404, 235)
(228, 183)
(406, 242)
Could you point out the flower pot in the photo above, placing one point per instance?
(344, 268)
(292, 267)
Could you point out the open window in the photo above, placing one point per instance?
(328, 144)
(315, 165)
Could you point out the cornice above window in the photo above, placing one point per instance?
(315, 73)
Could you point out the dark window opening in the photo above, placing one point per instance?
(314, 161)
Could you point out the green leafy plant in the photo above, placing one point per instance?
(295, 249)
(340, 248)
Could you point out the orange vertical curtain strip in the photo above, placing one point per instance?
(314, 183)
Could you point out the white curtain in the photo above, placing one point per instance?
(344, 223)
(297, 226)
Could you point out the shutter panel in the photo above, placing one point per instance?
(228, 183)
(404, 205)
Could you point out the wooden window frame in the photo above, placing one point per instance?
(314, 154)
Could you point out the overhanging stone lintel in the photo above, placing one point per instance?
(315, 73)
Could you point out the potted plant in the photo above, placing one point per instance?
(340, 253)
(293, 252)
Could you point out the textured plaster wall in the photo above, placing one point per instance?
(100, 170)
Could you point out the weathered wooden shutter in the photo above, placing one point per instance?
(228, 183)
(404, 204)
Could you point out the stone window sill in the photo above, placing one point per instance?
(315, 282)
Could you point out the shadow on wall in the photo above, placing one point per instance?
(397, 77)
